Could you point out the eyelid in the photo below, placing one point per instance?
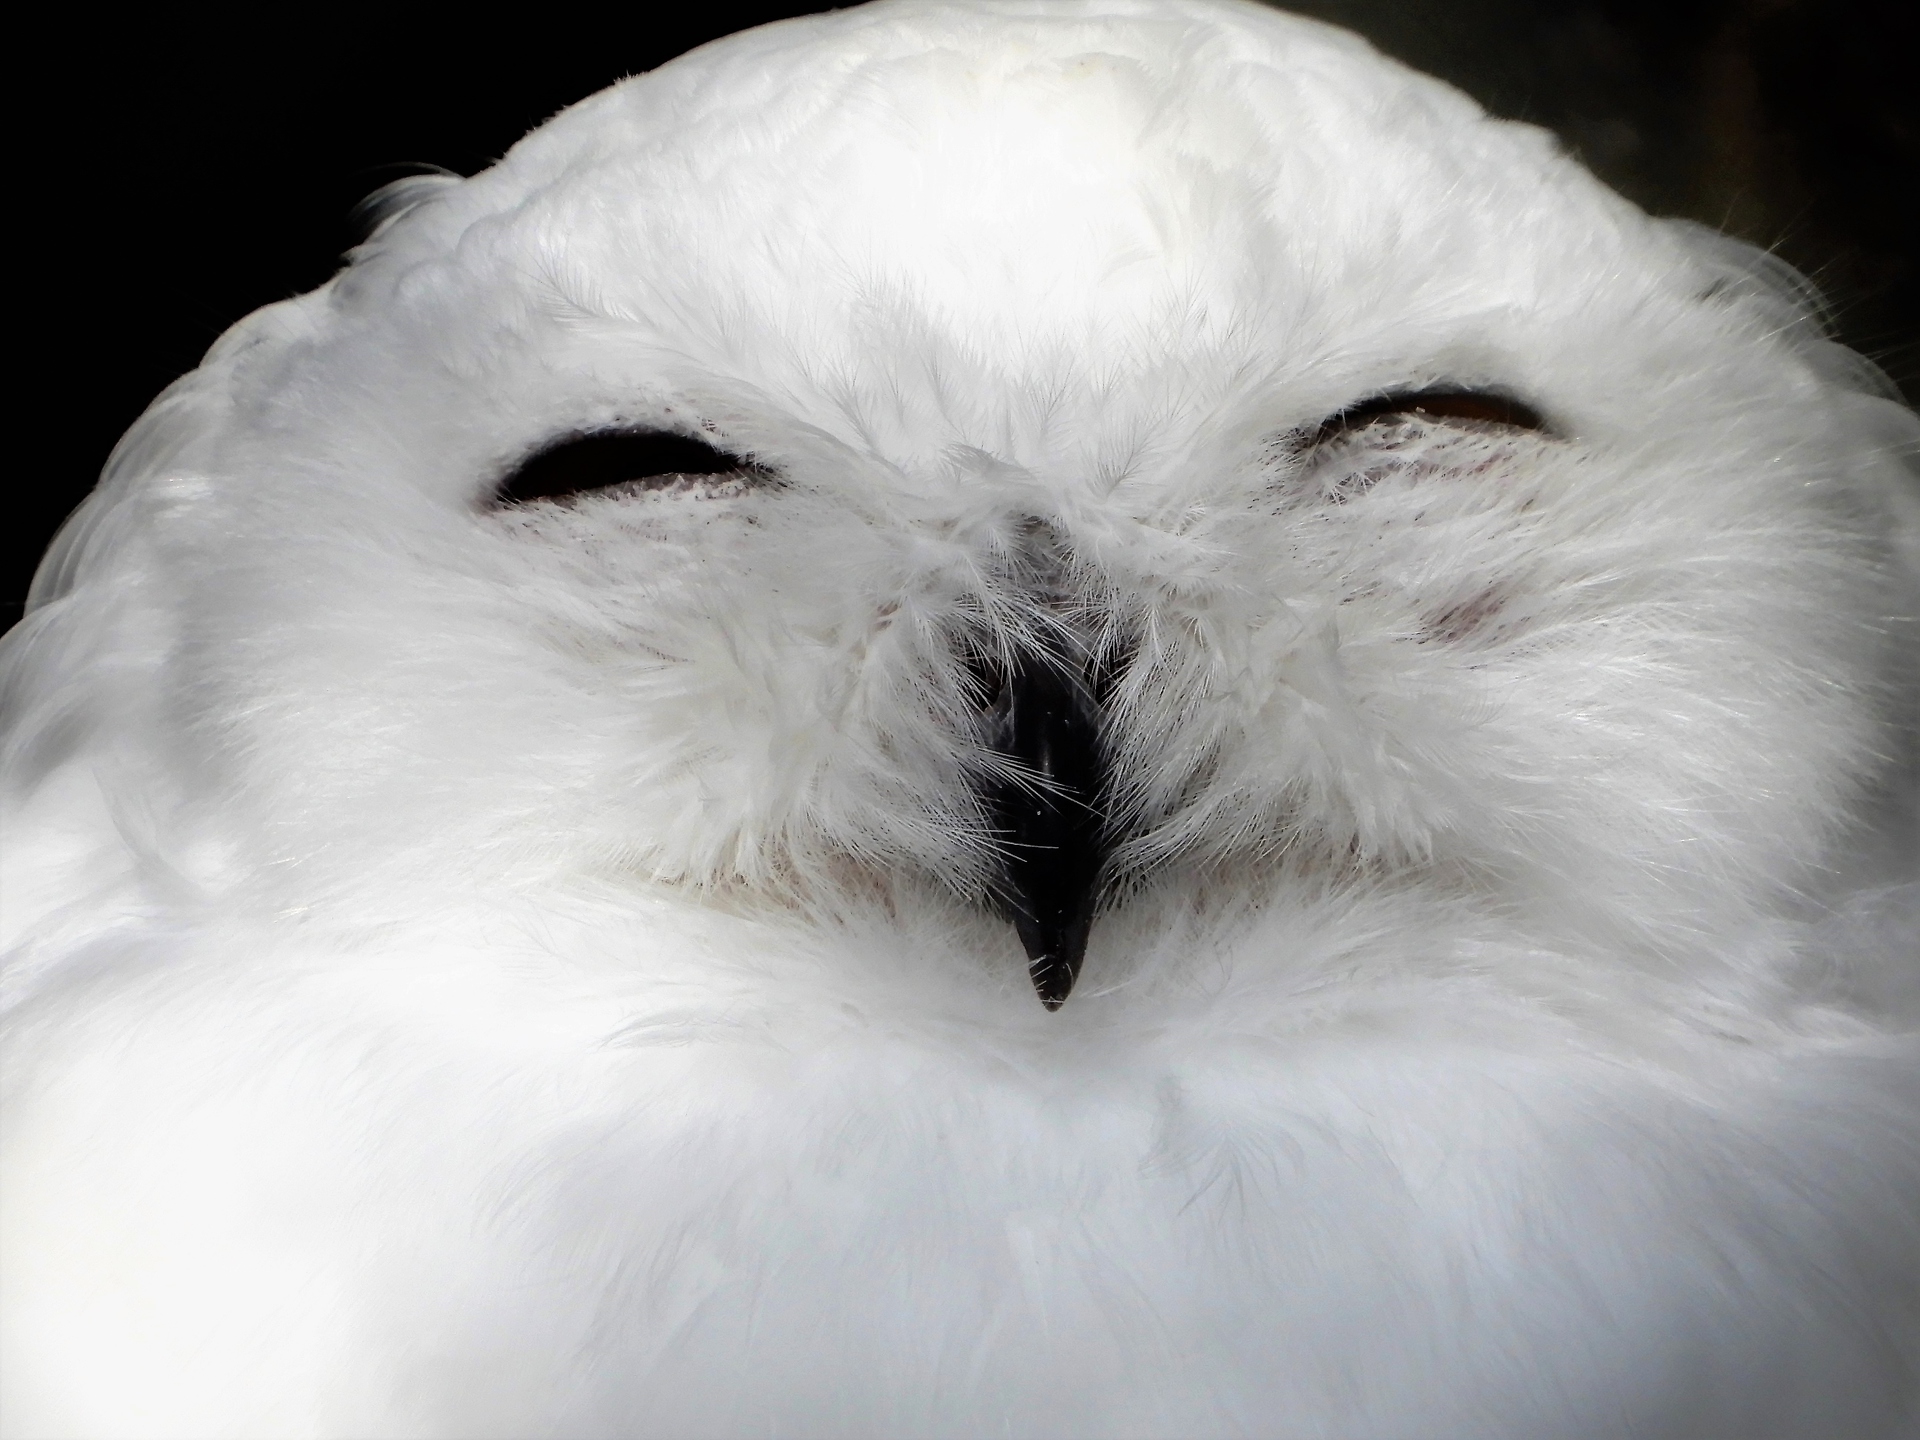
(592, 460)
(1483, 407)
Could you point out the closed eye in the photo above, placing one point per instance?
(599, 460)
(1470, 409)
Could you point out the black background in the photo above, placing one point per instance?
(179, 170)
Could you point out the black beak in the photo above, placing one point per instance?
(1045, 717)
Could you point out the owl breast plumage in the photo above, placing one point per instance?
(1014, 718)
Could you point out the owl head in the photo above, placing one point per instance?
(1080, 464)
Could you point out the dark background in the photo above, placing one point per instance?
(197, 167)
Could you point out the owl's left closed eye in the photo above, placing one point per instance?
(616, 461)
(1467, 408)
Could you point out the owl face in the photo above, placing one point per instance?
(687, 501)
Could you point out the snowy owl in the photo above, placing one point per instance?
(1012, 718)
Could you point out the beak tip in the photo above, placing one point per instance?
(1053, 981)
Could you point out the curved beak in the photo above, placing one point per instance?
(1044, 716)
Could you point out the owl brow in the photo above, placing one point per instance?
(590, 460)
(1483, 407)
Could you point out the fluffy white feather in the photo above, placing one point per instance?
(521, 971)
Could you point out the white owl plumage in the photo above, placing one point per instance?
(536, 969)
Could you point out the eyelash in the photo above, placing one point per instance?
(599, 460)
